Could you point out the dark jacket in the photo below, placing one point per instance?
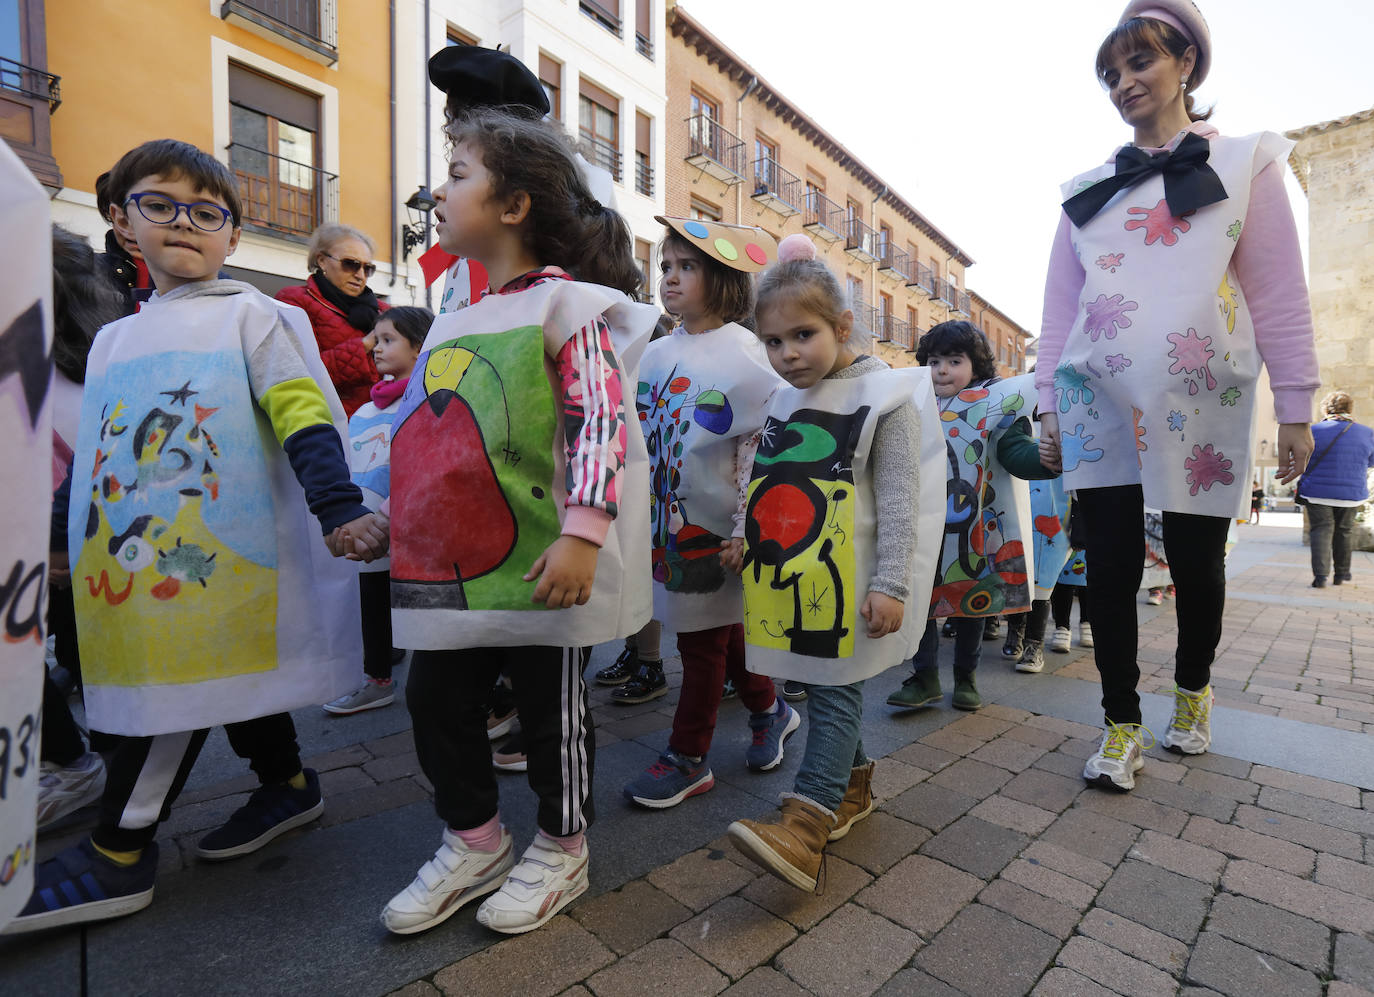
(122, 272)
(349, 363)
(1343, 473)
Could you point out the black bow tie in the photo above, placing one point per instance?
(1189, 183)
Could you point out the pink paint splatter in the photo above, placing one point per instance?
(1158, 223)
(1110, 261)
(1191, 355)
(1206, 468)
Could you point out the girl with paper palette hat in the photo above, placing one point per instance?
(703, 394)
(1174, 276)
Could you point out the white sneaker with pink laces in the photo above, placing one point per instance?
(545, 881)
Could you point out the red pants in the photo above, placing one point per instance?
(708, 656)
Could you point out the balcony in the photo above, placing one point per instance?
(866, 317)
(938, 291)
(714, 151)
(603, 154)
(644, 45)
(28, 98)
(775, 188)
(601, 16)
(307, 27)
(860, 241)
(893, 262)
(21, 79)
(644, 178)
(949, 294)
(920, 276)
(281, 196)
(964, 306)
(892, 329)
(822, 217)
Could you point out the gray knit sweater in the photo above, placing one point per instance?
(895, 482)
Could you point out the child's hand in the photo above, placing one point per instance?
(59, 570)
(363, 539)
(883, 613)
(565, 571)
(732, 555)
(1050, 457)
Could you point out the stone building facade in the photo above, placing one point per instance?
(739, 151)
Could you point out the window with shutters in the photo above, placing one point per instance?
(599, 127)
(551, 76)
(644, 144)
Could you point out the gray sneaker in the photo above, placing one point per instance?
(372, 696)
(1032, 658)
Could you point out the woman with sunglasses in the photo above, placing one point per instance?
(342, 308)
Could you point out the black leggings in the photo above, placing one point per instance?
(1196, 548)
(1061, 604)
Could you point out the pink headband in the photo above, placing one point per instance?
(1160, 14)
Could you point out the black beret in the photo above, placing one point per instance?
(486, 77)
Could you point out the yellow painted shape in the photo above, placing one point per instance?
(1229, 301)
(446, 367)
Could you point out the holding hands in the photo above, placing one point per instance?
(363, 539)
(1050, 457)
(732, 555)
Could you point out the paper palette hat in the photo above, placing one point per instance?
(740, 247)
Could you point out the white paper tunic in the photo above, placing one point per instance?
(811, 528)
(478, 483)
(204, 592)
(1156, 385)
(697, 396)
(26, 448)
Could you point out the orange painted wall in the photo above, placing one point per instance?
(119, 89)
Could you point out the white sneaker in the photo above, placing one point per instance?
(1059, 643)
(372, 695)
(454, 876)
(1085, 635)
(63, 791)
(546, 880)
(1190, 730)
(1032, 658)
(1156, 597)
(1118, 757)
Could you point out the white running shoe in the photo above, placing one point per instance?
(1085, 635)
(1118, 757)
(454, 876)
(1156, 597)
(546, 880)
(1190, 730)
(1059, 643)
(63, 791)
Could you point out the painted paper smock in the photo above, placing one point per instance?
(810, 529)
(1157, 381)
(697, 396)
(369, 460)
(985, 564)
(26, 447)
(478, 477)
(204, 592)
(1049, 507)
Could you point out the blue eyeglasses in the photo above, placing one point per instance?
(162, 210)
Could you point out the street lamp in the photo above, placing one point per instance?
(418, 207)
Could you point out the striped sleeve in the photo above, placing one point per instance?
(594, 429)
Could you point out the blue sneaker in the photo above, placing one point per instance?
(771, 730)
(79, 884)
(669, 781)
(269, 812)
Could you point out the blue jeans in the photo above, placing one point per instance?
(968, 646)
(834, 744)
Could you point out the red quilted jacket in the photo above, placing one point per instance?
(349, 363)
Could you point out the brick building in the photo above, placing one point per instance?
(739, 151)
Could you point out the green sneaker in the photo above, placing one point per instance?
(920, 689)
(966, 694)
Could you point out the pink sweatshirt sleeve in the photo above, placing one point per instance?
(1269, 270)
(1063, 287)
(594, 431)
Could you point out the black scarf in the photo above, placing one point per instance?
(1189, 183)
(361, 311)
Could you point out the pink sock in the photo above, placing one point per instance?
(572, 844)
(484, 837)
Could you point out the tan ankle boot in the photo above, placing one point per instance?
(857, 803)
(791, 848)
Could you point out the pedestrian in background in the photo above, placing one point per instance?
(1335, 486)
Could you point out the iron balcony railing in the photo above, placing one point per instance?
(921, 276)
(897, 331)
(860, 241)
(964, 306)
(35, 83)
(282, 194)
(601, 16)
(821, 216)
(644, 178)
(602, 153)
(714, 150)
(304, 21)
(892, 261)
(938, 290)
(950, 294)
(775, 188)
(644, 45)
(866, 316)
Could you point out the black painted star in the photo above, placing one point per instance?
(180, 394)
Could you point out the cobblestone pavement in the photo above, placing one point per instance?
(988, 868)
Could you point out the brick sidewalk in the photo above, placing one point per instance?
(990, 868)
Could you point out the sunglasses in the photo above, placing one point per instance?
(351, 265)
